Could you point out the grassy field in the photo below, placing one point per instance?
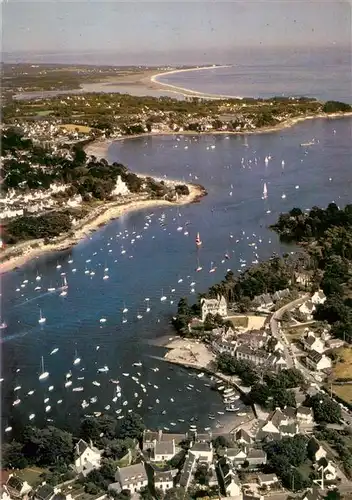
(343, 391)
(343, 368)
(31, 475)
(72, 127)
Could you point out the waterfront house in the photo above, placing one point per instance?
(317, 362)
(214, 307)
(318, 297)
(17, 488)
(151, 437)
(133, 477)
(312, 343)
(88, 457)
(164, 480)
(255, 356)
(203, 452)
(305, 415)
(221, 346)
(188, 470)
(243, 437)
(163, 450)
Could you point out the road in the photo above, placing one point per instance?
(290, 358)
(275, 318)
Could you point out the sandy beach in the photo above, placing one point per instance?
(102, 216)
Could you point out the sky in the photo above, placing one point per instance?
(133, 29)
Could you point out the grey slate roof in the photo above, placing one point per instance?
(81, 447)
(44, 492)
(187, 469)
(131, 474)
(164, 448)
(199, 447)
(15, 483)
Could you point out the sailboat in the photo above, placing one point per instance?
(265, 192)
(124, 310)
(77, 360)
(198, 241)
(212, 268)
(44, 374)
(64, 287)
(199, 267)
(163, 297)
(41, 319)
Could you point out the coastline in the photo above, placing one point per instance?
(189, 92)
(107, 213)
(99, 147)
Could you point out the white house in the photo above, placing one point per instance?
(230, 482)
(318, 297)
(203, 452)
(312, 343)
(236, 455)
(316, 451)
(328, 468)
(163, 450)
(88, 457)
(267, 479)
(17, 488)
(307, 308)
(317, 361)
(305, 414)
(164, 480)
(133, 477)
(214, 306)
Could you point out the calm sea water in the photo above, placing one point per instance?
(324, 74)
(158, 258)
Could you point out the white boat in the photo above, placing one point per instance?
(38, 278)
(105, 277)
(41, 319)
(78, 389)
(139, 316)
(31, 416)
(103, 370)
(163, 297)
(47, 408)
(212, 268)
(76, 360)
(54, 351)
(147, 309)
(242, 414)
(51, 388)
(125, 309)
(17, 388)
(51, 289)
(44, 375)
(96, 383)
(8, 429)
(102, 320)
(16, 402)
(84, 404)
(30, 393)
(68, 383)
(231, 408)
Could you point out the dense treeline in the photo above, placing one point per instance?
(298, 226)
(336, 107)
(41, 226)
(54, 449)
(266, 277)
(328, 238)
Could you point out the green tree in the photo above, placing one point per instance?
(325, 409)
